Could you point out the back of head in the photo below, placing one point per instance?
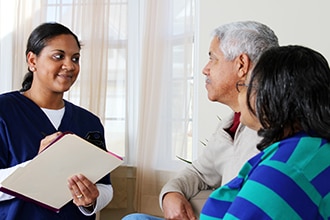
(249, 37)
(292, 93)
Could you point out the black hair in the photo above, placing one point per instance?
(291, 85)
(38, 40)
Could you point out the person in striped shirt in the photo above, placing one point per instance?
(287, 100)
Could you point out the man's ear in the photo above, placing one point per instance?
(244, 65)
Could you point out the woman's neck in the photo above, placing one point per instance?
(45, 100)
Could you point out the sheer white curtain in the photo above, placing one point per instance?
(18, 14)
(90, 21)
(164, 100)
(155, 75)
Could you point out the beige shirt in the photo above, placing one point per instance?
(220, 162)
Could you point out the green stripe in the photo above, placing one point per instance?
(319, 163)
(269, 151)
(264, 200)
(244, 170)
(296, 175)
(206, 217)
(225, 193)
(325, 207)
(304, 151)
(229, 216)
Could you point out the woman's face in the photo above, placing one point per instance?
(56, 68)
(247, 117)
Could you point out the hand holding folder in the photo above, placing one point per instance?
(44, 179)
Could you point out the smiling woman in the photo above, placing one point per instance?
(139, 86)
(52, 50)
(54, 70)
(39, 109)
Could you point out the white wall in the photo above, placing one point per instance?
(303, 22)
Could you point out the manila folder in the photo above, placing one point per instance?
(44, 179)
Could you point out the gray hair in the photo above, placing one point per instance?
(249, 37)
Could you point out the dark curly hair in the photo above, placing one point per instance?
(38, 40)
(291, 86)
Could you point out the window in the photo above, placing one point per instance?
(123, 51)
(116, 93)
(183, 78)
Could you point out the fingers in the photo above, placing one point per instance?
(47, 140)
(190, 212)
(83, 191)
(176, 206)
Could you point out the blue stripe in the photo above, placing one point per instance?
(235, 183)
(215, 208)
(256, 159)
(287, 189)
(247, 210)
(284, 154)
(323, 142)
(321, 182)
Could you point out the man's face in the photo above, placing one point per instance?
(221, 76)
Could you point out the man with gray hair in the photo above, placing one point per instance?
(234, 50)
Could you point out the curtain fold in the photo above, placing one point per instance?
(23, 23)
(155, 52)
(94, 63)
(165, 98)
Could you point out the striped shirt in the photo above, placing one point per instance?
(288, 180)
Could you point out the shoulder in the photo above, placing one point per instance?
(315, 151)
(9, 96)
(11, 100)
(299, 155)
(290, 149)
